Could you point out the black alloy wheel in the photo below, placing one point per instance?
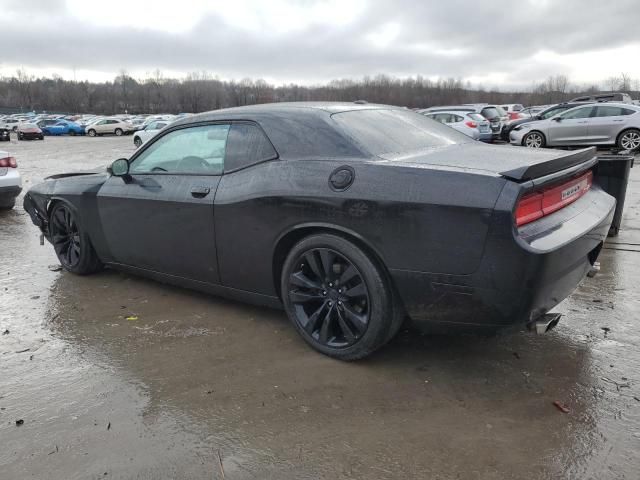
(338, 297)
(71, 244)
(65, 236)
(330, 298)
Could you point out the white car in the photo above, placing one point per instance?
(147, 132)
(10, 181)
(471, 124)
(10, 123)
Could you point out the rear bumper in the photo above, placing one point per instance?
(520, 278)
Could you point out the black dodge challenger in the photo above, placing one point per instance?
(353, 217)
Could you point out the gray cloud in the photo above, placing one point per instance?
(495, 36)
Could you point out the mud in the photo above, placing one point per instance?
(197, 385)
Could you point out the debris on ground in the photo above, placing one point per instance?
(561, 406)
(55, 268)
(617, 384)
(22, 351)
(19, 422)
(109, 426)
(54, 451)
(35, 297)
(220, 464)
(6, 332)
(605, 330)
(516, 354)
(131, 317)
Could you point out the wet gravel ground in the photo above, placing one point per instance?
(197, 385)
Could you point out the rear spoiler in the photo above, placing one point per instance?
(563, 161)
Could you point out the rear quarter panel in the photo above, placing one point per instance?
(419, 219)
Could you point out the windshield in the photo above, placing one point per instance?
(396, 131)
(552, 111)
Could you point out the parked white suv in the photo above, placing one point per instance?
(148, 131)
(10, 181)
(106, 126)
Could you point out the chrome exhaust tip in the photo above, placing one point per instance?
(545, 323)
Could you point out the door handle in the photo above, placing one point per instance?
(200, 192)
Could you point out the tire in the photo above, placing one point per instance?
(118, 132)
(19, 137)
(346, 323)
(72, 133)
(91, 132)
(534, 139)
(137, 141)
(629, 139)
(71, 242)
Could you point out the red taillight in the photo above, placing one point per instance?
(471, 124)
(8, 162)
(533, 206)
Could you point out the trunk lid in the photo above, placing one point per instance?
(515, 163)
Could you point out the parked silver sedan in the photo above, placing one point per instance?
(596, 124)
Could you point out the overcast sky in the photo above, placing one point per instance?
(488, 42)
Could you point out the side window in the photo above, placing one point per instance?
(160, 125)
(577, 113)
(457, 118)
(101, 122)
(611, 111)
(196, 150)
(247, 145)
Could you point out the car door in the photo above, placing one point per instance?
(607, 122)
(570, 127)
(161, 216)
(244, 235)
(100, 126)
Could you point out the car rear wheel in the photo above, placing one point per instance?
(337, 297)
(118, 132)
(71, 242)
(91, 133)
(137, 141)
(534, 140)
(629, 139)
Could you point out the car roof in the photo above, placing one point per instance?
(296, 129)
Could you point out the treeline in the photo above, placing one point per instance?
(199, 92)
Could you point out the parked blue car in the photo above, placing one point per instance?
(63, 127)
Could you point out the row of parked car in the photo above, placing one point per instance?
(28, 127)
(610, 119)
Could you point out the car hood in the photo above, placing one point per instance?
(95, 171)
(514, 163)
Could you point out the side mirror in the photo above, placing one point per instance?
(557, 119)
(120, 168)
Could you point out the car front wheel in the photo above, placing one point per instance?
(118, 132)
(337, 297)
(91, 133)
(534, 140)
(629, 140)
(71, 242)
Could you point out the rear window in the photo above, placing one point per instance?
(396, 131)
(490, 112)
(476, 116)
